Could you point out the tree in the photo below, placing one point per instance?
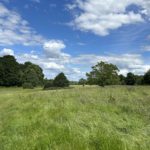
(139, 79)
(1, 72)
(9, 71)
(61, 80)
(103, 74)
(122, 79)
(130, 79)
(30, 77)
(82, 82)
(146, 78)
(37, 71)
(48, 84)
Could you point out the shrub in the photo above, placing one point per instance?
(27, 86)
(48, 84)
(61, 81)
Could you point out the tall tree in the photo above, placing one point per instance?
(139, 79)
(61, 80)
(103, 74)
(1, 72)
(130, 79)
(9, 69)
(31, 70)
(30, 76)
(122, 79)
(146, 78)
(82, 82)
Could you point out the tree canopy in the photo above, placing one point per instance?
(146, 78)
(14, 74)
(61, 80)
(82, 81)
(31, 75)
(9, 71)
(103, 74)
(130, 79)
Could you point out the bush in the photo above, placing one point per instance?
(48, 84)
(27, 86)
(61, 81)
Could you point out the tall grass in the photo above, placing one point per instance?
(81, 118)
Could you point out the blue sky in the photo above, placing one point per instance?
(72, 35)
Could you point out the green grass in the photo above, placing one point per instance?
(80, 118)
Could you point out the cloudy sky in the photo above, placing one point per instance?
(72, 35)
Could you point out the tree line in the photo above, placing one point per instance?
(108, 74)
(29, 75)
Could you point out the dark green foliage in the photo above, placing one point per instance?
(130, 79)
(48, 84)
(61, 81)
(82, 82)
(139, 79)
(9, 71)
(33, 74)
(103, 74)
(146, 78)
(14, 74)
(27, 86)
(30, 76)
(122, 79)
(73, 82)
(2, 72)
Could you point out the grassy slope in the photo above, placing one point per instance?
(90, 118)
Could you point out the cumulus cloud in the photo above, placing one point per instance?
(6, 51)
(53, 49)
(125, 62)
(77, 66)
(53, 65)
(100, 17)
(15, 30)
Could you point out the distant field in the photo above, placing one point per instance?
(81, 118)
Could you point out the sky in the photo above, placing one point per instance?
(71, 36)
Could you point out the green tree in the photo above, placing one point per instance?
(1, 72)
(146, 78)
(30, 77)
(130, 79)
(38, 71)
(139, 79)
(9, 71)
(103, 74)
(122, 79)
(82, 82)
(61, 80)
(48, 84)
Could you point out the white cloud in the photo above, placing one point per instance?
(76, 67)
(147, 48)
(53, 65)
(6, 51)
(102, 16)
(125, 62)
(54, 46)
(53, 49)
(15, 30)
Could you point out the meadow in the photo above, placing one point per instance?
(79, 118)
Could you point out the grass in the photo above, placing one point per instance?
(80, 118)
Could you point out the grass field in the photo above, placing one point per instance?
(81, 118)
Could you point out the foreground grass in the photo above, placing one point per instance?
(89, 118)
